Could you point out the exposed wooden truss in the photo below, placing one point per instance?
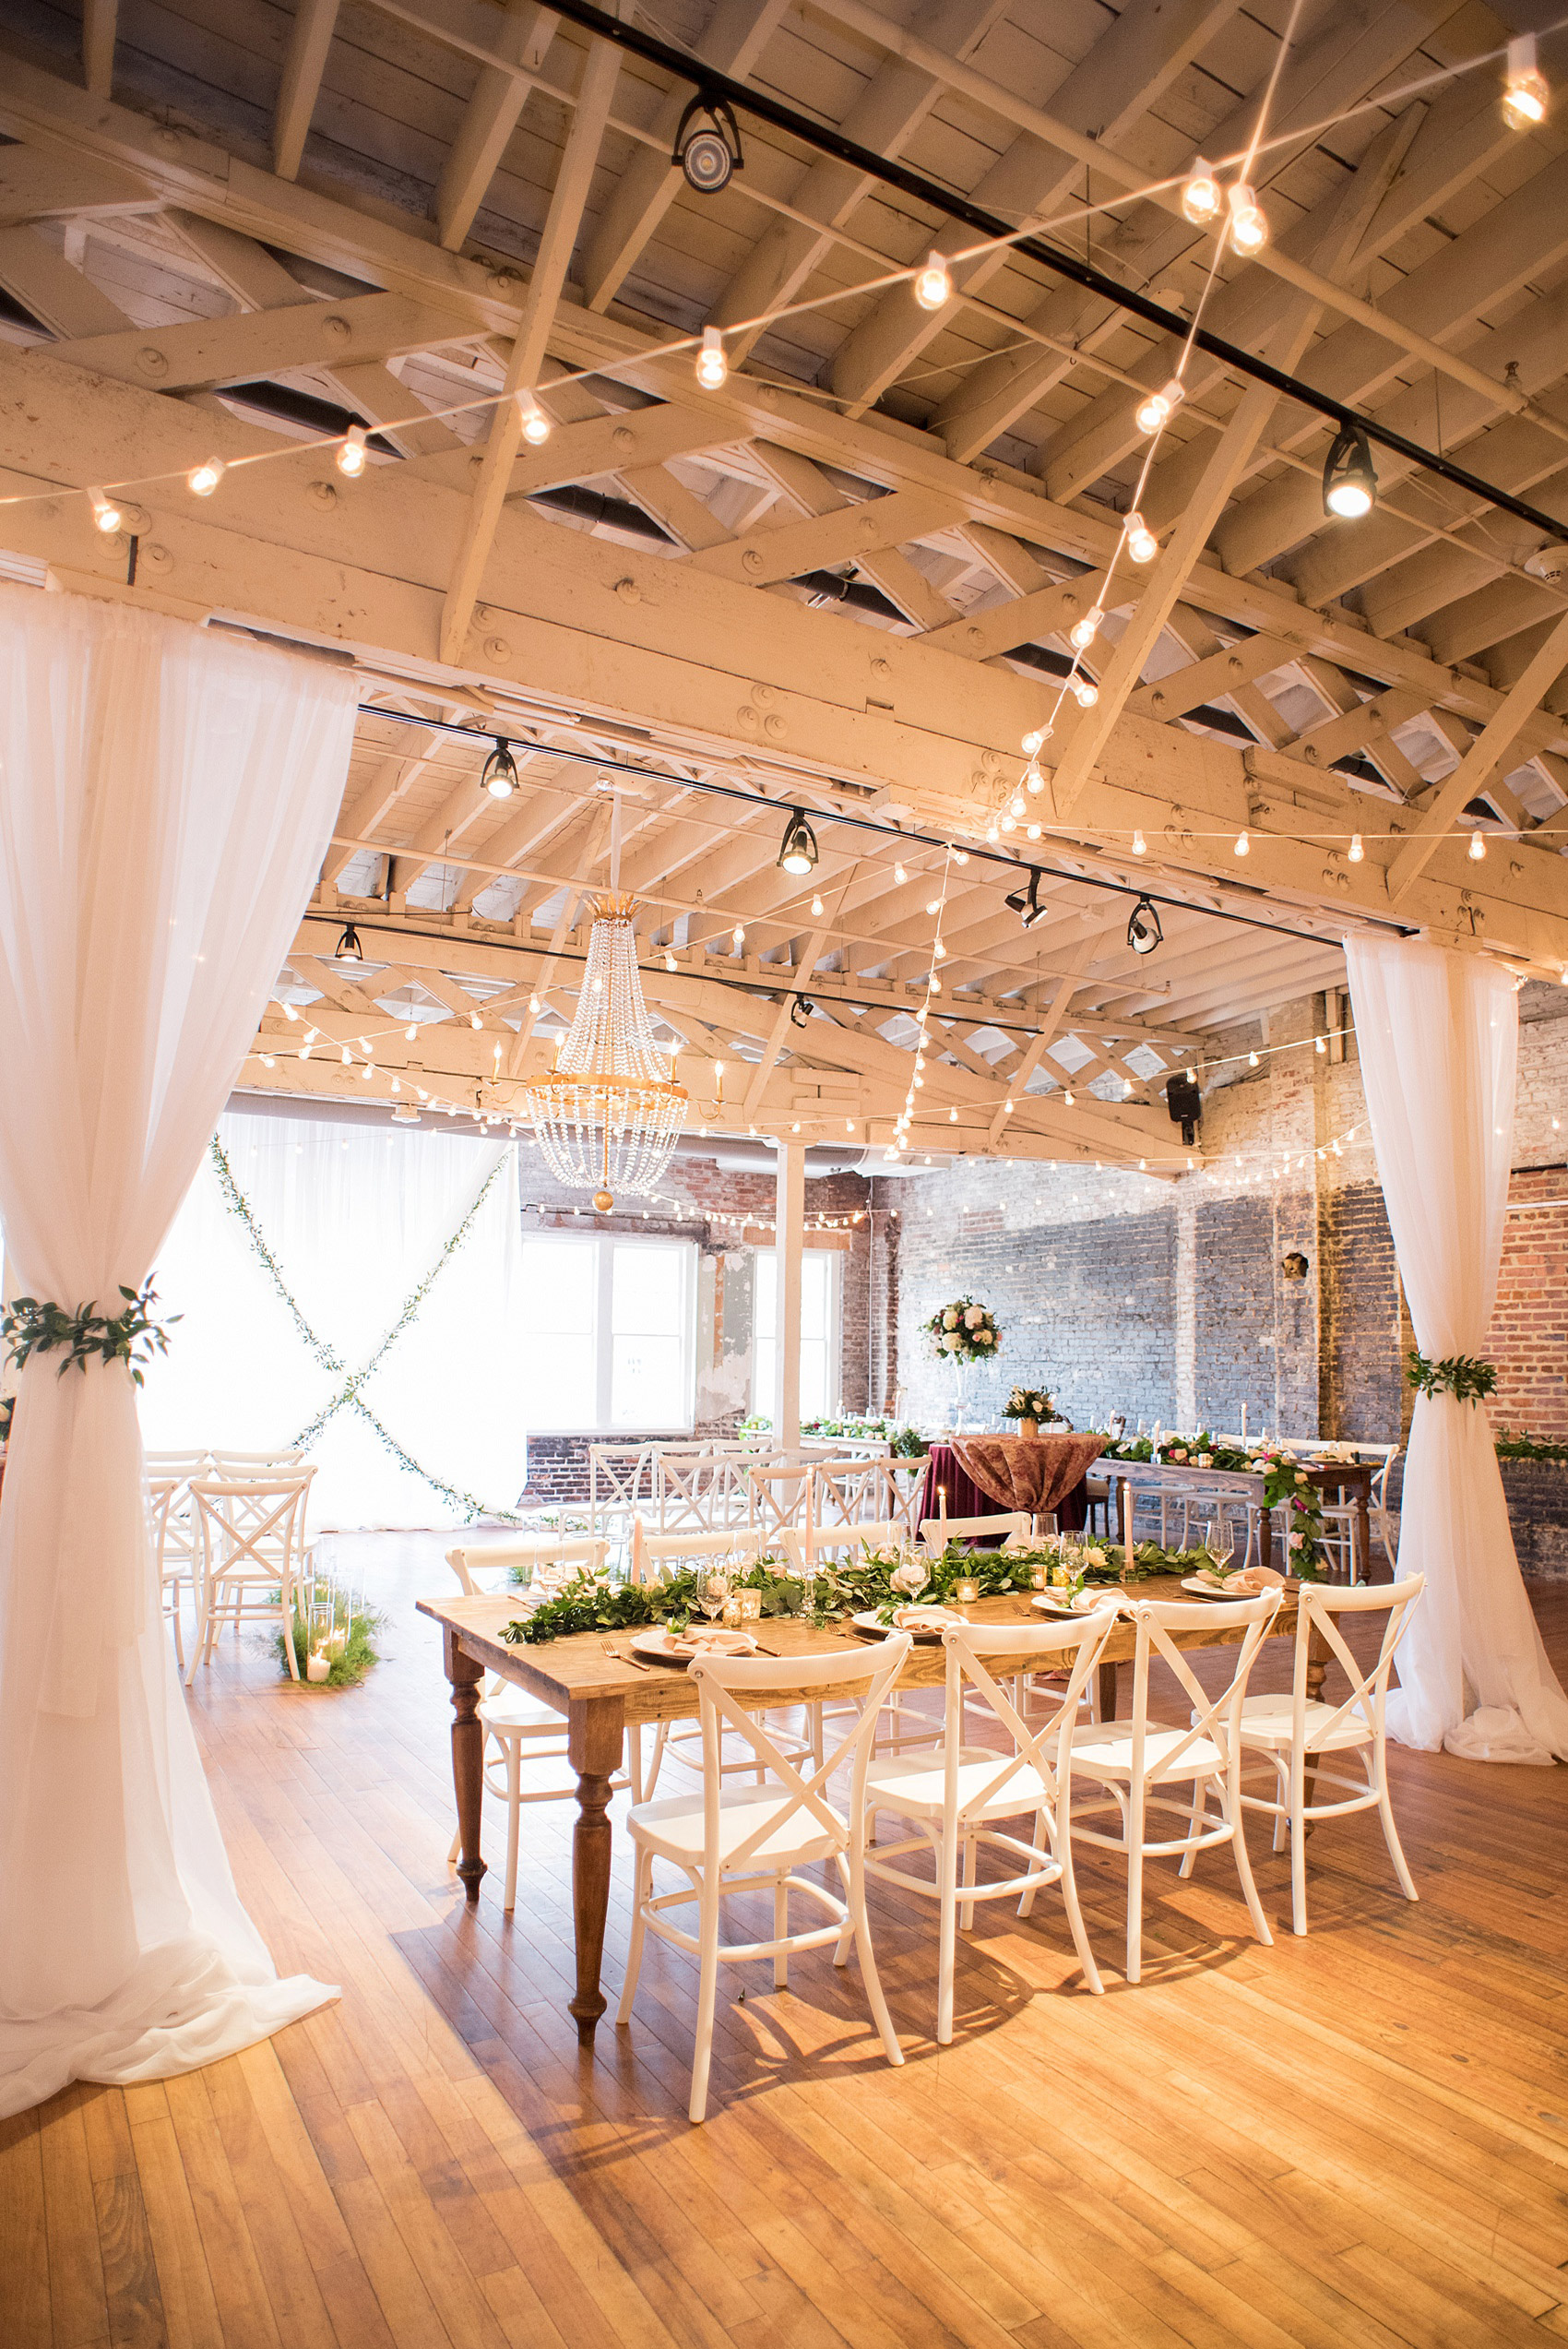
(843, 602)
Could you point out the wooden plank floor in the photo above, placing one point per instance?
(1357, 2139)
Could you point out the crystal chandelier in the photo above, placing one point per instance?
(608, 1115)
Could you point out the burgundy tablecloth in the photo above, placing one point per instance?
(990, 1475)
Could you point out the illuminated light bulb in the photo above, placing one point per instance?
(369, 1068)
(1140, 846)
(395, 1086)
(474, 1020)
(817, 908)
(1009, 824)
(411, 1031)
(1034, 831)
(1008, 1107)
(938, 950)
(351, 452)
(1249, 228)
(1156, 409)
(1035, 742)
(934, 905)
(669, 960)
(1085, 693)
(739, 935)
(1033, 780)
(1083, 632)
(920, 1080)
(1015, 804)
(1068, 1099)
(992, 831)
(713, 368)
(1201, 197)
(1356, 852)
(1142, 544)
(936, 984)
(268, 1060)
(1320, 1043)
(535, 423)
(105, 513)
(1243, 845)
(960, 856)
(202, 479)
(1525, 98)
(933, 286)
(304, 1052)
(899, 875)
(952, 1117)
(347, 1058)
(289, 1012)
(1477, 846)
(533, 1004)
(1192, 1076)
(1251, 1060)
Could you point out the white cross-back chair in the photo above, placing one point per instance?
(905, 1721)
(1195, 1771)
(755, 1839)
(180, 1465)
(1015, 1527)
(620, 1483)
(779, 1495)
(252, 1537)
(175, 1557)
(703, 1489)
(845, 1491)
(957, 1797)
(519, 1729)
(233, 1466)
(1294, 1730)
(655, 1557)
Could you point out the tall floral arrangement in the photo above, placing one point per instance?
(963, 1331)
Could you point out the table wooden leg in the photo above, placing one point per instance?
(468, 1759)
(595, 1733)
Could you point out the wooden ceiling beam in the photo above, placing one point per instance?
(490, 116)
(304, 61)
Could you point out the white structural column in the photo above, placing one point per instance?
(789, 1241)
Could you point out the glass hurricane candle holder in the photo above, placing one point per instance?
(966, 1593)
(751, 1607)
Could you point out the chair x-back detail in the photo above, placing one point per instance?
(253, 1549)
(1296, 1732)
(957, 1797)
(755, 1839)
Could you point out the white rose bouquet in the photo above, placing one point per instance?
(965, 1331)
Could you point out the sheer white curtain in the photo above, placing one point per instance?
(165, 797)
(355, 1217)
(1438, 1033)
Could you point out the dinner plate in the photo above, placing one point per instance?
(653, 1644)
(870, 1621)
(1202, 1590)
(1085, 1601)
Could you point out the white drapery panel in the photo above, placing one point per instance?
(355, 1217)
(1438, 1033)
(166, 794)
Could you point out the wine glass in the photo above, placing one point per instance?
(1219, 1542)
(713, 1588)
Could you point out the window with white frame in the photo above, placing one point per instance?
(819, 1333)
(615, 1322)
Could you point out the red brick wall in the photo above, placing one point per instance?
(1528, 1340)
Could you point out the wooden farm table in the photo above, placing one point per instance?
(602, 1696)
(1338, 1480)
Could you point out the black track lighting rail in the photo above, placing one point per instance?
(766, 108)
(757, 802)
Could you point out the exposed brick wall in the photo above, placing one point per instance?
(1361, 1384)
(1528, 1339)
(1537, 1511)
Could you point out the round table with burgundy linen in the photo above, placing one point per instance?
(990, 1476)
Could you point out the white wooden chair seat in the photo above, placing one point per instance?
(1104, 1749)
(916, 1783)
(1270, 1721)
(675, 1828)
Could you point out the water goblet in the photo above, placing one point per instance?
(713, 1588)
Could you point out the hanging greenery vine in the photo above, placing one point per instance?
(348, 1396)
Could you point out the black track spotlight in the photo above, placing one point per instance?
(796, 851)
(800, 1010)
(707, 145)
(499, 773)
(1144, 933)
(1349, 485)
(1026, 903)
(349, 948)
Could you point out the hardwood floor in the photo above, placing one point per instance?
(1357, 2139)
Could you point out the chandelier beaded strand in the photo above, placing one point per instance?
(608, 1115)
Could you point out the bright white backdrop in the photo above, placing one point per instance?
(355, 1216)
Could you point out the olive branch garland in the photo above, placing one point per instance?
(348, 1396)
(1465, 1377)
